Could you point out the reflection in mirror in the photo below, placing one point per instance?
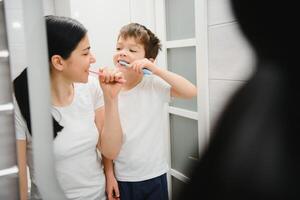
(74, 146)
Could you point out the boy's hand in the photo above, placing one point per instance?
(111, 81)
(112, 188)
(139, 65)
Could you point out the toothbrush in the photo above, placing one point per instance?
(91, 71)
(145, 71)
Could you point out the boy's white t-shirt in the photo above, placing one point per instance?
(78, 166)
(141, 109)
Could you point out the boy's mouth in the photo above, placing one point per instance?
(123, 63)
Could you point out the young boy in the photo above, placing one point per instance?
(141, 166)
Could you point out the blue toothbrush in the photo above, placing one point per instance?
(145, 71)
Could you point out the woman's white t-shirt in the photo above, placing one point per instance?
(78, 165)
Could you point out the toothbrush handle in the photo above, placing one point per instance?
(147, 71)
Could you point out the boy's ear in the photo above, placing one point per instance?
(57, 62)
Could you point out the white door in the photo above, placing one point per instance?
(182, 26)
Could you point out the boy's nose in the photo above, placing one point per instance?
(123, 53)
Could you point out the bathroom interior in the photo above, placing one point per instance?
(200, 39)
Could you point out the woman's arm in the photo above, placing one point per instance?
(108, 117)
(22, 164)
(112, 188)
(110, 139)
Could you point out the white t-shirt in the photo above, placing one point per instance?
(78, 166)
(143, 154)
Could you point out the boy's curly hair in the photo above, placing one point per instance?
(143, 36)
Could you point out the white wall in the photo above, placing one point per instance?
(103, 19)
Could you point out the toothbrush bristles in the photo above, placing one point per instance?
(91, 71)
(123, 63)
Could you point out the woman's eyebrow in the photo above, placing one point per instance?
(88, 48)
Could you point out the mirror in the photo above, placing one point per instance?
(211, 64)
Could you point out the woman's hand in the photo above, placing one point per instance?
(111, 81)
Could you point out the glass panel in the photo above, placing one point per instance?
(177, 187)
(182, 61)
(180, 19)
(184, 144)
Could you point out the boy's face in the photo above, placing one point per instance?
(128, 50)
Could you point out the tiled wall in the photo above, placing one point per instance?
(230, 57)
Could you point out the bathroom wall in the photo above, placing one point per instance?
(103, 19)
(230, 56)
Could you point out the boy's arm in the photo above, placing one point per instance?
(180, 87)
(112, 188)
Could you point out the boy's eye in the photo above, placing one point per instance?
(131, 50)
(118, 48)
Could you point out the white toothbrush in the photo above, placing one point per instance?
(145, 71)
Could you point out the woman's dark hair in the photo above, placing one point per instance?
(63, 36)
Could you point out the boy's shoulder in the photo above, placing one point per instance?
(155, 84)
(152, 80)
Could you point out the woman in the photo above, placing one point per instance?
(79, 121)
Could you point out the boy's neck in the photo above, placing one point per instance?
(131, 82)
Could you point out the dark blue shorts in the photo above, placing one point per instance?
(152, 189)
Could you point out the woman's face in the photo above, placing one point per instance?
(77, 65)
